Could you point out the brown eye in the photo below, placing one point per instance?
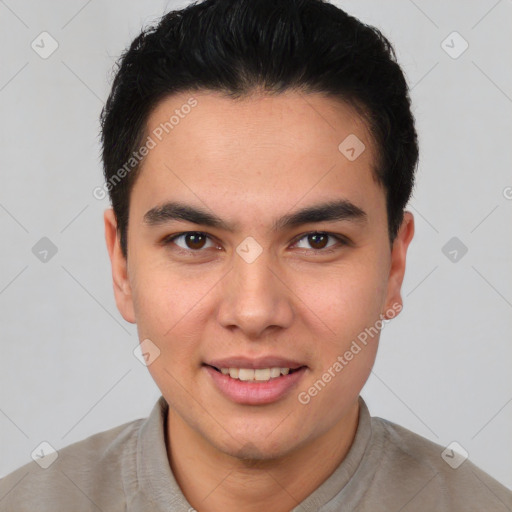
(194, 240)
(191, 241)
(318, 240)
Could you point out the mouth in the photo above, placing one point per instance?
(256, 374)
(254, 386)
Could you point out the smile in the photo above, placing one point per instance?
(259, 374)
(254, 386)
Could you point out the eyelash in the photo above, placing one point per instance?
(342, 241)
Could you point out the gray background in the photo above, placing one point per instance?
(67, 364)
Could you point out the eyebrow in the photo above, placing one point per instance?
(339, 210)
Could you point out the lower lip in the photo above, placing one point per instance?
(255, 392)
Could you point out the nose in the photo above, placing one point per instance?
(255, 298)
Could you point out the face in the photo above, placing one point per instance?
(251, 284)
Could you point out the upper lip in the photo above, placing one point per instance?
(255, 363)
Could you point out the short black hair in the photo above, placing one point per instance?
(237, 47)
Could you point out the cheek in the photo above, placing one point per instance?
(172, 307)
(164, 305)
(344, 300)
(346, 326)
(162, 295)
(165, 315)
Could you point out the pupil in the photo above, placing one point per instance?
(193, 238)
(315, 236)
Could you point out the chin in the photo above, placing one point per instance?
(251, 452)
(259, 448)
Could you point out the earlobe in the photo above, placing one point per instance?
(120, 281)
(398, 264)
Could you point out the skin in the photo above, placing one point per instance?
(251, 161)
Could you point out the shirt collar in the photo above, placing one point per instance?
(158, 484)
(154, 473)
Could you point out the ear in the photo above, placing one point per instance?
(397, 266)
(122, 288)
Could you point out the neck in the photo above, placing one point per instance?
(214, 481)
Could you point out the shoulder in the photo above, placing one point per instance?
(83, 476)
(439, 475)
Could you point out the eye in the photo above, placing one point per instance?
(193, 241)
(318, 240)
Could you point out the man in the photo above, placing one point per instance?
(259, 155)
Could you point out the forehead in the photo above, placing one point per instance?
(294, 120)
(262, 152)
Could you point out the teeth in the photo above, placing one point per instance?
(245, 374)
(250, 374)
(262, 374)
(275, 372)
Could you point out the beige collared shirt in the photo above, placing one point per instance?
(125, 469)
